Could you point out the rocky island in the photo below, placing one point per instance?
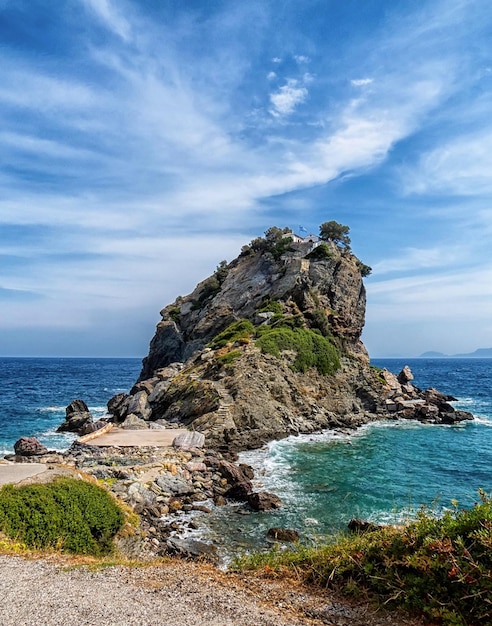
(268, 346)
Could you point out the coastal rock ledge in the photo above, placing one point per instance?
(269, 346)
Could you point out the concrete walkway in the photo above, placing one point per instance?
(15, 472)
(134, 438)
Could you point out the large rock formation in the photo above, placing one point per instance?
(270, 346)
(326, 291)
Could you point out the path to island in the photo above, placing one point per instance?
(133, 438)
(17, 472)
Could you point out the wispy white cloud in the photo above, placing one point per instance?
(361, 82)
(151, 139)
(44, 148)
(132, 276)
(159, 122)
(26, 87)
(288, 98)
(111, 17)
(461, 293)
(414, 259)
(460, 166)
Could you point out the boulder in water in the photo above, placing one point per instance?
(77, 417)
(264, 501)
(283, 534)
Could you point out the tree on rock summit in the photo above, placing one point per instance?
(333, 231)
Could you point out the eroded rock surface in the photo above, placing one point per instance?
(240, 395)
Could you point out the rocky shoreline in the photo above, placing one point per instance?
(165, 486)
(168, 486)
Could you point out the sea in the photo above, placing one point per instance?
(34, 393)
(383, 472)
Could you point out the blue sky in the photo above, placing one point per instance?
(143, 141)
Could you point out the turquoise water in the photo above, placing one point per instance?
(383, 472)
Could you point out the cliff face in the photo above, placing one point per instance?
(330, 286)
(266, 347)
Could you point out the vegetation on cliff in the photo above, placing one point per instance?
(238, 332)
(68, 514)
(302, 276)
(333, 231)
(311, 349)
(286, 335)
(439, 566)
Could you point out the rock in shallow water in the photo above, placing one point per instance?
(191, 549)
(77, 417)
(264, 501)
(283, 534)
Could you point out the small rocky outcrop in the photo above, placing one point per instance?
(264, 501)
(359, 526)
(405, 401)
(77, 417)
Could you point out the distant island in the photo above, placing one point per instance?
(480, 353)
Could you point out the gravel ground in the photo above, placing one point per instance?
(51, 592)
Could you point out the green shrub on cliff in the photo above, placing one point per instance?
(311, 348)
(229, 358)
(321, 253)
(277, 241)
(72, 515)
(441, 567)
(237, 331)
(364, 269)
(336, 232)
(271, 306)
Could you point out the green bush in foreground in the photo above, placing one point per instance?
(67, 514)
(313, 350)
(439, 566)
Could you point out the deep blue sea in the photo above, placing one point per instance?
(382, 472)
(34, 393)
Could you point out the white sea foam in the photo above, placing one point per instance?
(52, 409)
(273, 469)
(54, 440)
(484, 421)
(98, 411)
